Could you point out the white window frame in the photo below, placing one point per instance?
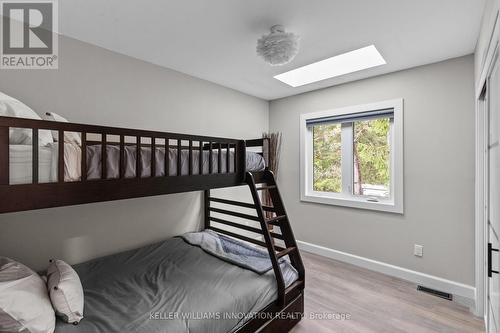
(395, 203)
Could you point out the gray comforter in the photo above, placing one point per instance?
(254, 161)
(239, 253)
(169, 287)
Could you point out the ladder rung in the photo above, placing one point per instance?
(267, 187)
(293, 286)
(268, 208)
(275, 220)
(278, 236)
(285, 252)
(258, 177)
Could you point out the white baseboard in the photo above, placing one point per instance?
(465, 294)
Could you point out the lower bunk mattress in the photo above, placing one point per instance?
(170, 287)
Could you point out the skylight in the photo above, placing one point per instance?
(353, 61)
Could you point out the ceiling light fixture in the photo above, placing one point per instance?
(278, 47)
(353, 61)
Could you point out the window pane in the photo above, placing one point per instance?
(372, 158)
(327, 158)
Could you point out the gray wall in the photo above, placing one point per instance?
(438, 173)
(97, 86)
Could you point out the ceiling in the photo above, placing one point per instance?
(215, 39)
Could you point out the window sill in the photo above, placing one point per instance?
(361, 203)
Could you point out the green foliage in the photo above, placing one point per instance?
(372, 150)
(327, 158)
(371, 155)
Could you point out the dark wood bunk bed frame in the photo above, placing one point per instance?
(279, 316)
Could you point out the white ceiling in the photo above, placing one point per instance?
(215, 39)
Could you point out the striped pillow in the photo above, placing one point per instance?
(25, 304)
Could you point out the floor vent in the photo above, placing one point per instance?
(437, 293)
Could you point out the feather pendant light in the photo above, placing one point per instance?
(279, 47)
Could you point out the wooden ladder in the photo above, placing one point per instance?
(280, 220)
(258, 182)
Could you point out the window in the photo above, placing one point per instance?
(354, 156)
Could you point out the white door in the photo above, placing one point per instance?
(493, 204)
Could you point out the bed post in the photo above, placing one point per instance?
(206, 197)
(4, 155)
(241, 160)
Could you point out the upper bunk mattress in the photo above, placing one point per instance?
(20, 159)
(170, 287)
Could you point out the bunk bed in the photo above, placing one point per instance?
(111, 163)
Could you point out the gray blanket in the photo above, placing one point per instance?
(233, 251)
(170, 287)
(254, 161)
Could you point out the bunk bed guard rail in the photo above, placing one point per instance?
(226, 165)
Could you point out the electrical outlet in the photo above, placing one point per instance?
(418, 250)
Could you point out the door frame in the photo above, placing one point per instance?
(481, 223)
(481, 164)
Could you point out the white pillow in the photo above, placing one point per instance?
(69, 137)
(24, 301)
(11, 107)
(66, 291)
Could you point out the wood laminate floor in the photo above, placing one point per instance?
(374, 302)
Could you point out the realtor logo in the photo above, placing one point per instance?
(28, 38)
